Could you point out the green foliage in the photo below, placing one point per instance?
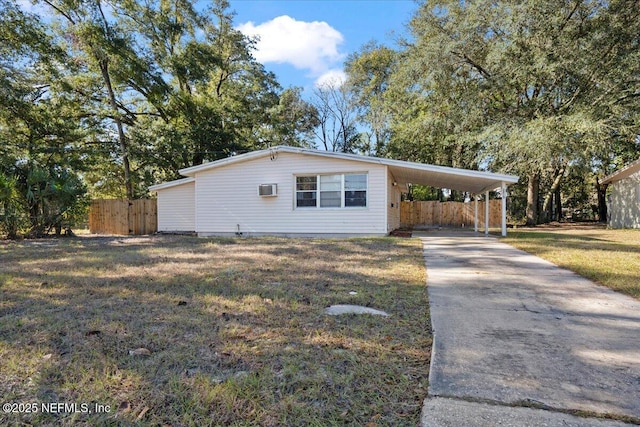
(422, 192)
(11, 220)
(44, 200)
(124, 96)
(195, 93)
(55, 199)
(368, 74)
(121, 95)
(529, 88)
(40, 132)
(294, 120)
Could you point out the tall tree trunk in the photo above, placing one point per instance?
(379, 142)
(548, 199)
(533, 188)
(602, 201)
(558, 203)
(548, 214)
(104, 68)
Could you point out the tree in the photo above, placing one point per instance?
(94, 35)
(178, 86)
(202, 96)
(10, 216)
(40, 139)
(337, 118)
(120, 94)
(293, 120)
(529, 88)
(369, 71)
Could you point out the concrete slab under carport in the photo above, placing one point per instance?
(515, 330)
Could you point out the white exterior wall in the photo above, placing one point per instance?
(227, 198)
(624, 207)
(393, 203)
(176, 208)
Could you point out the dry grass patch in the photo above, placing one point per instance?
(609, 257)
(235, 330)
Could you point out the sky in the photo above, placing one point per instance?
(305, 42)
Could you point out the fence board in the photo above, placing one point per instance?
(121, 216)
(448, 214)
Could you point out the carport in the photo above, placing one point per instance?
(476, 183)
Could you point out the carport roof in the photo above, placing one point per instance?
(404, 172)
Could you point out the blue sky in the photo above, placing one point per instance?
(305, 42)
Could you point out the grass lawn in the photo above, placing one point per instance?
(232, 332)
(609, 257)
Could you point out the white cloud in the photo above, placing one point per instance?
(309, 46)
(331, 79)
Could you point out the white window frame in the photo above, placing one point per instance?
(319, 191)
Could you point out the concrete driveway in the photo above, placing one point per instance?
(513, 332)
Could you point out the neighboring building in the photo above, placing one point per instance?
(302, 192)
(624, 197)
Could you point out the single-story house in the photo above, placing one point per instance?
(303, 192)
(624, 197)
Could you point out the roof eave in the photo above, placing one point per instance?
(496, 179)
(625, 172)
(509, 179)
(191, 171)
(169, 184)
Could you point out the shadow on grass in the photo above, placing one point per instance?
(581, 241)
(235, 329)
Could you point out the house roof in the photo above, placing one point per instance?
(625, 172)
(404, 172)
(170, 184)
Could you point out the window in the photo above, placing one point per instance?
(306, 191)
(355, 190)
(331, 191)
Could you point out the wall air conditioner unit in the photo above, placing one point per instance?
(268, 190)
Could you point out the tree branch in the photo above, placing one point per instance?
(60, 11)
(473, 64)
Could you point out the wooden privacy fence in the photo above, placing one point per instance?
(122, 216)
(449, 214)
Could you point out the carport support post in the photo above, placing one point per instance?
(504, 209)
(475, 214)
(486, 213)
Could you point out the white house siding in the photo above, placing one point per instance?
(393, 203)
(176, 208)
(228, 202)
(624, 207)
